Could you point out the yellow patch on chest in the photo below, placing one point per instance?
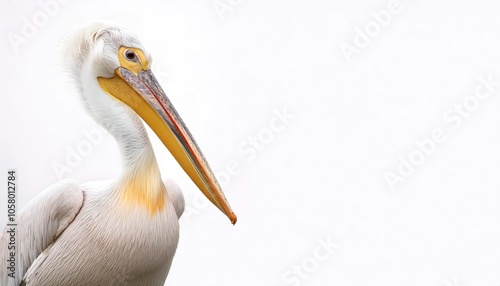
(144, 189)
(133, 195)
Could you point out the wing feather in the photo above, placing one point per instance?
(175, 196)
(39, 224)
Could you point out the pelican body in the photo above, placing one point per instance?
(124, 231)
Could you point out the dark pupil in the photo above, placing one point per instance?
(130, 55)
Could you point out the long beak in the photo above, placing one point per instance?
(145, 96)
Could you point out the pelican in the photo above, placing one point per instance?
(124, 232)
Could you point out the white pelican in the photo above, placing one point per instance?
(126, 232)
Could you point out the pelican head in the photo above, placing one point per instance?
(113, 73)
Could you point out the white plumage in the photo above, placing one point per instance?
(124, 231)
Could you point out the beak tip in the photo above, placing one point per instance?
(233, 218)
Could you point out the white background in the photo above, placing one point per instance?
(323, 175)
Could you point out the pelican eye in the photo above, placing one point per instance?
(131, 55)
